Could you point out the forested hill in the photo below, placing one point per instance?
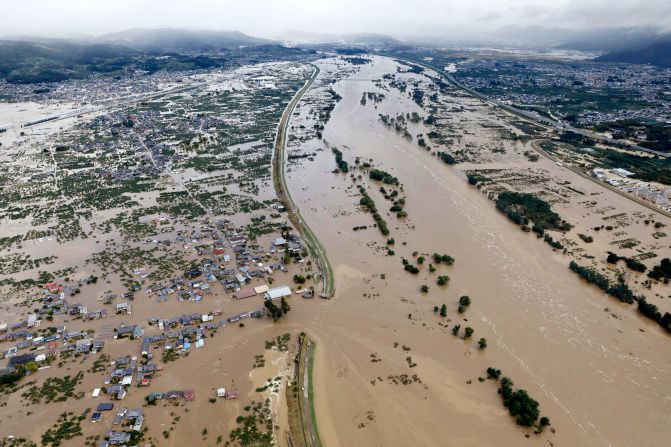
(656, 54)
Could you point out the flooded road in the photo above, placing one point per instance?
(601, 380)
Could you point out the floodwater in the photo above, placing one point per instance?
(601, 380)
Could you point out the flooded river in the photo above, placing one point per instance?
(601, 380)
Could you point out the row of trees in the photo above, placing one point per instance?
(342, 164)
(367, 202)
(620, 290)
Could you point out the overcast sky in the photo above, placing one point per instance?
(268, 18)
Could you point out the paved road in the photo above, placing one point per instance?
(306, 396)
(283, 194)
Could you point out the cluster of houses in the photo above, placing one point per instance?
(619, 178)
(226, 261)
(131, 418)
(43, 345)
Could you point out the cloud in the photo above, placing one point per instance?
(268, 17)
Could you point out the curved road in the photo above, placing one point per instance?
(279, 181)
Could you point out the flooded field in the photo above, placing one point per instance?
(388, 369)
(136, 245)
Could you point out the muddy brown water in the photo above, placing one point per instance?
(600, 380)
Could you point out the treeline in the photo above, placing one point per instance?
(620, 290)
(382, 176)
(651, 311)
(447, 158)
(520, 208)
(342, 164)
(662, 272)
(630, 262)
(367, 202)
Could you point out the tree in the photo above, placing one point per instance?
(424, 288)
(435, 309)
(443, 311)
(468, 332)
(519, 403)
(455, 329)
(612, 258)
(420, 260)
(544, 421)
(493, 373)
(275, 312)
(443, 280)
(482, 343)
(284, 306)
(299, 279)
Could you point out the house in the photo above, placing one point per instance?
(124, 331)
(96, 416)
(244, 293)
(279, 242)
(621, 172)
(118, 437)
(261, 289)
(20, 360)
(277, 293)
(105, 406)
(33, 321)
(123, 308)
(237, 240)
(221, 392)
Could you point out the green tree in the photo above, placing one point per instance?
(493, 373)
(284, 306)
(482, 343)
(443, 311)
(274, 311)
(468, 332)
(455, 329)
(424, 288)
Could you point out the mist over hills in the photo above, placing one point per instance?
(39, 59)
(176, 40)
(658, 53)
(349, 38)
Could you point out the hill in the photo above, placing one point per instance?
(656, 54)
(56, 60)
(166, 40)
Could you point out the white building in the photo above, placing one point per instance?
(621, 172)
(277, 293)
